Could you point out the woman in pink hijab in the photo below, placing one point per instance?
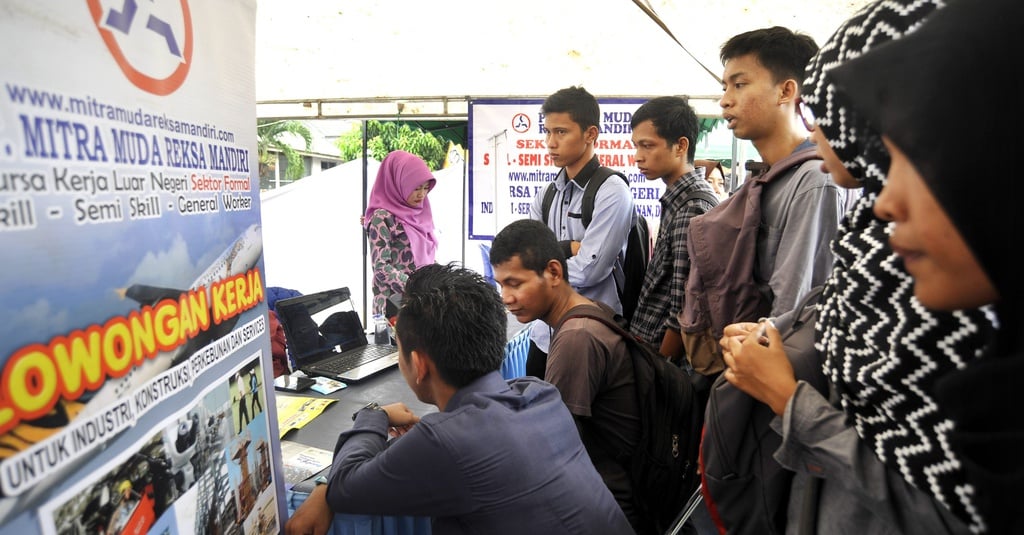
(399, 224)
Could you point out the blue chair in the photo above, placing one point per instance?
(516, 350)
(485, 252)
(349, 524)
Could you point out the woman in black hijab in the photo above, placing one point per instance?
(884, 352)
(956, 238)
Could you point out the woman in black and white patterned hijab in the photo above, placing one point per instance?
(878, 452)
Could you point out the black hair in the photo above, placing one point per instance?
(533, 242)
(581, 106)
(673, 118)
(780, 50)
(457, 318)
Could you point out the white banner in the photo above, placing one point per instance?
(510, 164)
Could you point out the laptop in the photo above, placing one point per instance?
(336, 346)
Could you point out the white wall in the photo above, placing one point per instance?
(312, 239)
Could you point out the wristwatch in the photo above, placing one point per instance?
(373, 406)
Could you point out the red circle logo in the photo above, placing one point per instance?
(521, 123)
(132, 38)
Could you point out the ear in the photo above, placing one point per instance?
(554, 268)
(590, 134)
(790, 92)
(420, 367)
(683, 144)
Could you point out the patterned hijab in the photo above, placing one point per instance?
(884, 352)
(399, 175)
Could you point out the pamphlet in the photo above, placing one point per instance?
(294, 412)
(301, 461)
(325, 385)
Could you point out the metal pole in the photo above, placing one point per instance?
(366, 194)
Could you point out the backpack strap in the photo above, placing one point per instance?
(598, 312)
(590, 191)
(787, 163)
(549, 197)
(710, 198)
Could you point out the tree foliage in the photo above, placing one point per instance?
(274, 134)
(383, 138)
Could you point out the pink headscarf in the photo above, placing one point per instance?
(399, 175)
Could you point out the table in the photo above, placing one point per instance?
(322, 432)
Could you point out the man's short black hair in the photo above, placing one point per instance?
(673, 118)
(454, 315)
(533, 242)
(780, 50)
(581, 106)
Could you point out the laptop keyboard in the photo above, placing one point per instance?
(354, 360)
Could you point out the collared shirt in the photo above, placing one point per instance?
(663, 291)
(602, 244)
(503, 457)
(800, 215)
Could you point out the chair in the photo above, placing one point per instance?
(351, 524)
(485, 252)
(516, 350)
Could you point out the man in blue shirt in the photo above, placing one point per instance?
(499, 457)
(572, 118)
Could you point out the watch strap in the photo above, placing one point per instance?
(373, 406)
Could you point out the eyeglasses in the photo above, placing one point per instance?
(806, 115)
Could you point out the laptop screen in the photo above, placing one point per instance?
(340, 330)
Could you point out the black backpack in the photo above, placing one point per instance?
(638, 242)
(663, 469)
(745, 489)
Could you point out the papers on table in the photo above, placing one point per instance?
(301, 461)
(294, 412)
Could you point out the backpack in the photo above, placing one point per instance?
(638, 242)
(721, 288)
(663, 468)
(745, 490)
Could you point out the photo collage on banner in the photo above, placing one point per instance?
(133, 395)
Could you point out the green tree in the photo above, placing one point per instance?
(274, 135)
(383, 138)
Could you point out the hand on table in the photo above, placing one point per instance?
(758, 367)
(400, 419)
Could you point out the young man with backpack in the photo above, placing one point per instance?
(665, 136)
(775, 249)
(616, 391)
(593, 252)
(791, 213)
(801, 209)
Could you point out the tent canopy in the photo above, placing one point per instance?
(369, 58)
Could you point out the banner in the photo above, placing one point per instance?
(510, 164)
(133, 395)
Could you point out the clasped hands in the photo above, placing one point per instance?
(756, 363)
